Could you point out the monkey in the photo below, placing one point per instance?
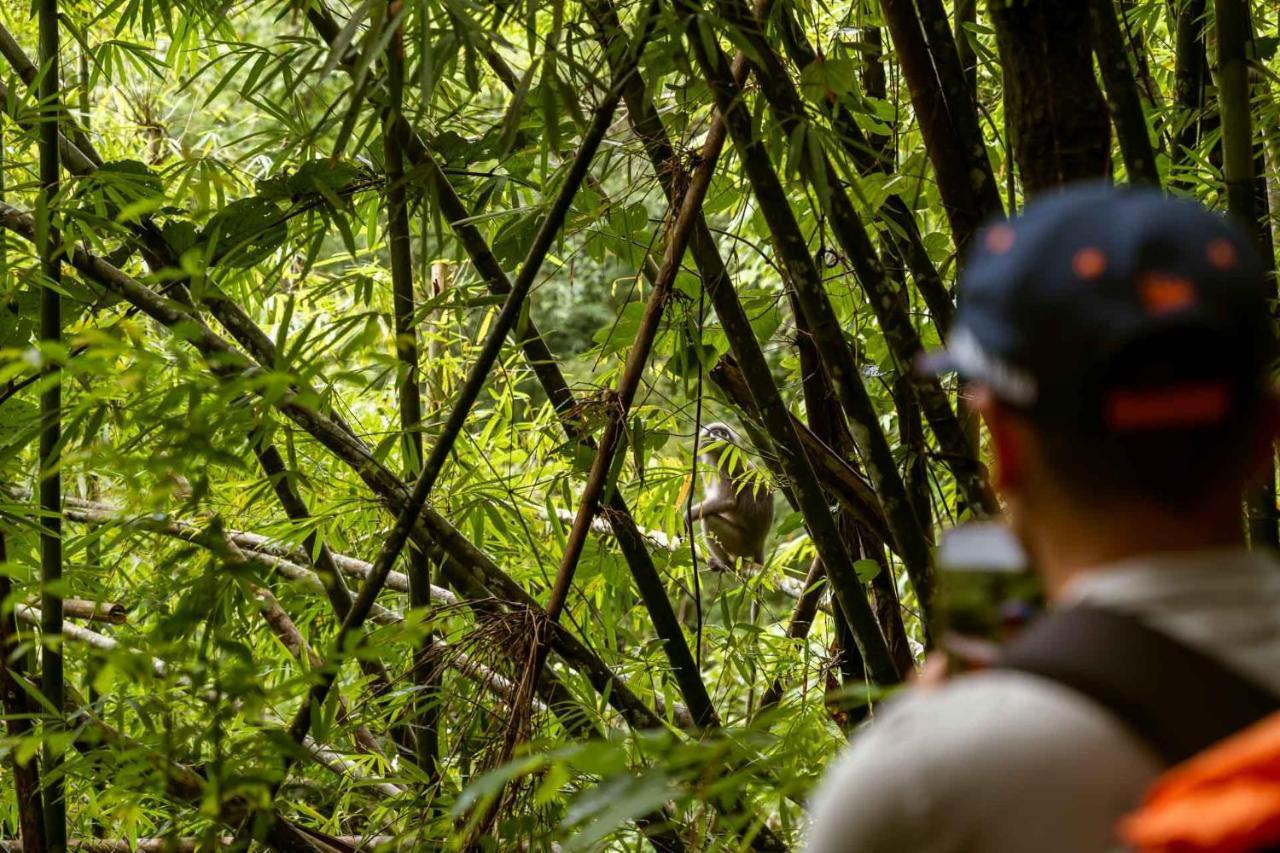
(736, 510)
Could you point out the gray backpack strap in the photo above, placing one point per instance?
(1176, 698)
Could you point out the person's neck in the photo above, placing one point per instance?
(1074, 544)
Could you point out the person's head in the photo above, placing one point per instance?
(1118, 344)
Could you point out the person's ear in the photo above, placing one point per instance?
(1008, 443)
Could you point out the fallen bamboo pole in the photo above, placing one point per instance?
(191, 845)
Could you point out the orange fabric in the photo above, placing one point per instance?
(1226, 800)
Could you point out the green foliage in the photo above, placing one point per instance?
(250, 151)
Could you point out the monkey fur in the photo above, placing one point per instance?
(736, 510)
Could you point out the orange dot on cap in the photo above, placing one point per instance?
(1163, 292)
(999, 239)
(1089, 263)
(1221, 253)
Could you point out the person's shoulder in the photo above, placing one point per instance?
(975, 756)
(996, 717)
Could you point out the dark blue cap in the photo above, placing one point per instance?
(1124, 303)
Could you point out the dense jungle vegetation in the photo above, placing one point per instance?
(354, 360)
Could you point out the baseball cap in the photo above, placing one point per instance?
(1120, 307)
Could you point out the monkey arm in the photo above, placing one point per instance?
(711, 506)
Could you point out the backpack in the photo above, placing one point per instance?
(1217, 731)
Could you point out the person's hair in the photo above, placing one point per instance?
(1175, 467)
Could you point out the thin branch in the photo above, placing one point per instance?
(616, 515)
(677, 240)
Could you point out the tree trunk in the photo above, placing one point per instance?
(1190, 72)
(1057, 113)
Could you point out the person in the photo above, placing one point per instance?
(1118, 346)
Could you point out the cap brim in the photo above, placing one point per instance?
(966, 356)
(936, 362)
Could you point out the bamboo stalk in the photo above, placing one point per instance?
(110, 612)
(19, 715)
(1055, 111)
(831, 428)
(791, 246)
(884, 297)
(52, 677)
(901, 234)
(630, 539)
(188, 845)
(422, 712)
(1234, 32)
(468, 568)
(1232, 18)
(677, 240)
(949, 123)
(1190, 74)
(1122, 94)
(826, 419)
(742, 340)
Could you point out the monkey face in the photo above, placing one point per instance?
(714, 437)
(719, 432)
